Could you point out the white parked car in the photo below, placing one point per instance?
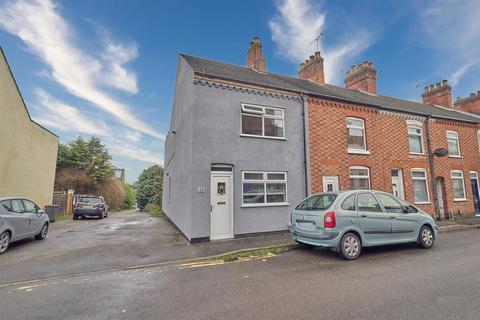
(20, 219)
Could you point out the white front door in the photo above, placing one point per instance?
(397, 183)
(330, 183)
(221, 216)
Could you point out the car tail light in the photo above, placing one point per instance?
(329, 220)
(100, 205)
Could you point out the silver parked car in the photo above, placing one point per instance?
(20, 219)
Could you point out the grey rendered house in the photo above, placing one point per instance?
(235, 152)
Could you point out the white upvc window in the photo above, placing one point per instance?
(458, 185)
(415, 139)
(261, 188)
(420, 186)
(356, 135)
(453, 144)
(259, 121)
(359, 178)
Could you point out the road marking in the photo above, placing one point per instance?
(221, 262)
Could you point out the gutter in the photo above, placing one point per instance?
(306, 143)
(432, 168)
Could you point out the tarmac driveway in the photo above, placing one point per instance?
(123, 240)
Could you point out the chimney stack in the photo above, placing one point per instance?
(469, 104)
(439, 93)
(255, 58)
(362, 77)
(312, 69)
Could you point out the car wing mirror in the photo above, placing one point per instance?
(40, 212)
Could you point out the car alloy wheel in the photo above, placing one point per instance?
(350, 246)
(4, 241)
(43, 233)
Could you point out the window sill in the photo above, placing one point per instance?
(256, 205)
(353, 151)
(460, 200)
(455, 157)
(262, 137)
(422, 203)
(417, 154)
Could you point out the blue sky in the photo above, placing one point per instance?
(107, 68)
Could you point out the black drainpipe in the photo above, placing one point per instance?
(432, 168)
(305, 153)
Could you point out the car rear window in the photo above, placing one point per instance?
(7, 205)
(317, 202)
(92, 200)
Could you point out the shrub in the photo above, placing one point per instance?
(129, 200)
(153, 210)
(149, 187)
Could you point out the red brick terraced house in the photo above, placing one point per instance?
(245, 145)
(360, 139)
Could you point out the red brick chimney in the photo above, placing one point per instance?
(255, 58)
(439, 93)
(469, 104)
(362, 77)
(312, 69)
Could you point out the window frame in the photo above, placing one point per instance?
(426, 184)
(416, 126)
(360, 177)
(265, 181)
(457, 138)
(261, 114)
(463, 185)
(353, 150)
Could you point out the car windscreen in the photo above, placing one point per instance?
(317, 202)
(92, 200)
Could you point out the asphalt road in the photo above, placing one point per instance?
(400, 282)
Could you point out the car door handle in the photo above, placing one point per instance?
(363, 216)
(393, 218)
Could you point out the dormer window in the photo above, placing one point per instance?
(259, 121)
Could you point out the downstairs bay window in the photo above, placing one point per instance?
(264, 188)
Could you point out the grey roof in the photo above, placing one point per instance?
(272, 80)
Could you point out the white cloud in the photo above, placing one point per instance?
(299, 22)
(133, 136)
(136, 153)
(49, 36)
(56, 114)
(452, 28)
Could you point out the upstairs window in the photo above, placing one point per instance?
(359, 178)
(453, 144)
(458, 185)
(415, 139)
(356, 135)
(262, 121)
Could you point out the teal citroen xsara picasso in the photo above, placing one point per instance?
(346, 221)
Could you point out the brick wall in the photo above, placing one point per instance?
(387, 142)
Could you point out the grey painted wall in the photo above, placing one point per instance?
(207, 120)
(217, 139)
(177, 197)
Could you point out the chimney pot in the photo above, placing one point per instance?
(444, 82)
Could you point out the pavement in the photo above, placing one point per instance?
(394, 282)
(123, 240)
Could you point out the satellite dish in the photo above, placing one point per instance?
(440, 152)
